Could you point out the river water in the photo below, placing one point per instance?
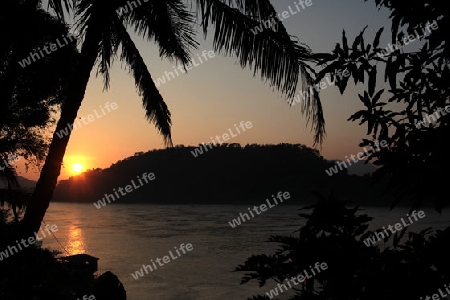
(126, 237)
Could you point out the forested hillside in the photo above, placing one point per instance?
(224, 174)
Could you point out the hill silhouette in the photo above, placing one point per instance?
(25, 184)
(225, 174)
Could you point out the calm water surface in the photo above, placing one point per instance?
(125, 237)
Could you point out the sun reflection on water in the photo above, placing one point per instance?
(75, 241)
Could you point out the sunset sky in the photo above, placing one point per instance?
(217, 94)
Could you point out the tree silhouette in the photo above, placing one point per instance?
(29, 94)
(413, 115)
(273, 54)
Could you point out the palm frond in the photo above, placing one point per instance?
(260, 10)
(109, 45)
(169, 23)
(156, 109)
(60, 7)
(272, 52)
(311, 107)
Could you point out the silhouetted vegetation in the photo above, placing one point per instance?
(225, 174)
(417, 266)
(413, 115)
(412, 167)
(30, 95)
(414, 163)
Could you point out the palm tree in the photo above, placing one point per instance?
(104, 30)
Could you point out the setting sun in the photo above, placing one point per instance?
(77, 168)
(75, 165)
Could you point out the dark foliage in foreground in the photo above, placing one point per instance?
(407, 267)
(33, 273)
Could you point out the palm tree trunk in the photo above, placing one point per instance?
(46, 184)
